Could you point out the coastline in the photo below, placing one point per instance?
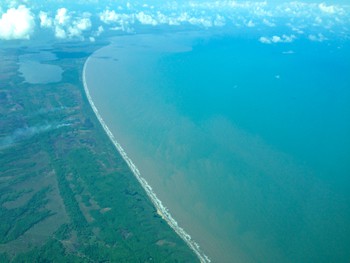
(161, 209)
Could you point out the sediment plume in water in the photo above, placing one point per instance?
(161, 209)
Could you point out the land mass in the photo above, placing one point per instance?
(66, 194)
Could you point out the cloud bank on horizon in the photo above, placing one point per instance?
(88, 19)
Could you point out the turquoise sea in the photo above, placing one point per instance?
(247, 144)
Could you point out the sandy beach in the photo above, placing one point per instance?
(161, 209)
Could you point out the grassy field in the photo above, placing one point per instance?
(65, 193)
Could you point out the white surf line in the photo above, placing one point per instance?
(161, 209)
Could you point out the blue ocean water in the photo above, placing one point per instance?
(247, 144)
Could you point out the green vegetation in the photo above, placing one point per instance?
(66, 195)
(16, 221)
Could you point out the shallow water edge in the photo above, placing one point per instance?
(161, 209)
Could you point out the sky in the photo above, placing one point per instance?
(87, 20)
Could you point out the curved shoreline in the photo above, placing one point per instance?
(161, 209)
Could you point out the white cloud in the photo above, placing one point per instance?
(297, 29)
(319, 37)
(268, 23)
(109, 17)
(146, 19)
(219, 21)
(330, 9)
(83, 23)
(265, 40)
(17, 23)
(183, 17)
(62, 18)
(73, 32)
(277, 39)
(289, 52)
(60, 32)
(45, 20)
(300, 17)
(200, 21)
(78, 26)
(168, 20)
(124, 21)
(99, 31)
(65, 25)
(250, 24)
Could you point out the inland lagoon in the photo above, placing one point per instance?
(35, 69)
(246, 144)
